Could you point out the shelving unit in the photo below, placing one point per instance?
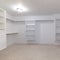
(2, 19)
(30, 31)
(58, 30)
(3, 41)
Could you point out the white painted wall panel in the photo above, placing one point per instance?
(11, 39)
(11, 33)
(20, 26)
(47, 32)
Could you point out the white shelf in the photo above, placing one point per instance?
(30, 24)
(29, 34)
(30, 28)
(11, 33)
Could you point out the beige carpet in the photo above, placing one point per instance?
(31, 52)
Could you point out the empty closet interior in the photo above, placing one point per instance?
(29, 30)
(34, 31)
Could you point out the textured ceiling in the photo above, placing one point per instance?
(36, 7)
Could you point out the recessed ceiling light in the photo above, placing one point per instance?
(20, 8)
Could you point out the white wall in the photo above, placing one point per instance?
(10, 26)
(47, 32)
(11, 39)
(20, 27)
(11, 33)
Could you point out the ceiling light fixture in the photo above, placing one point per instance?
(20, 8)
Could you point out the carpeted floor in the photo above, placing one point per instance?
(31, 52)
